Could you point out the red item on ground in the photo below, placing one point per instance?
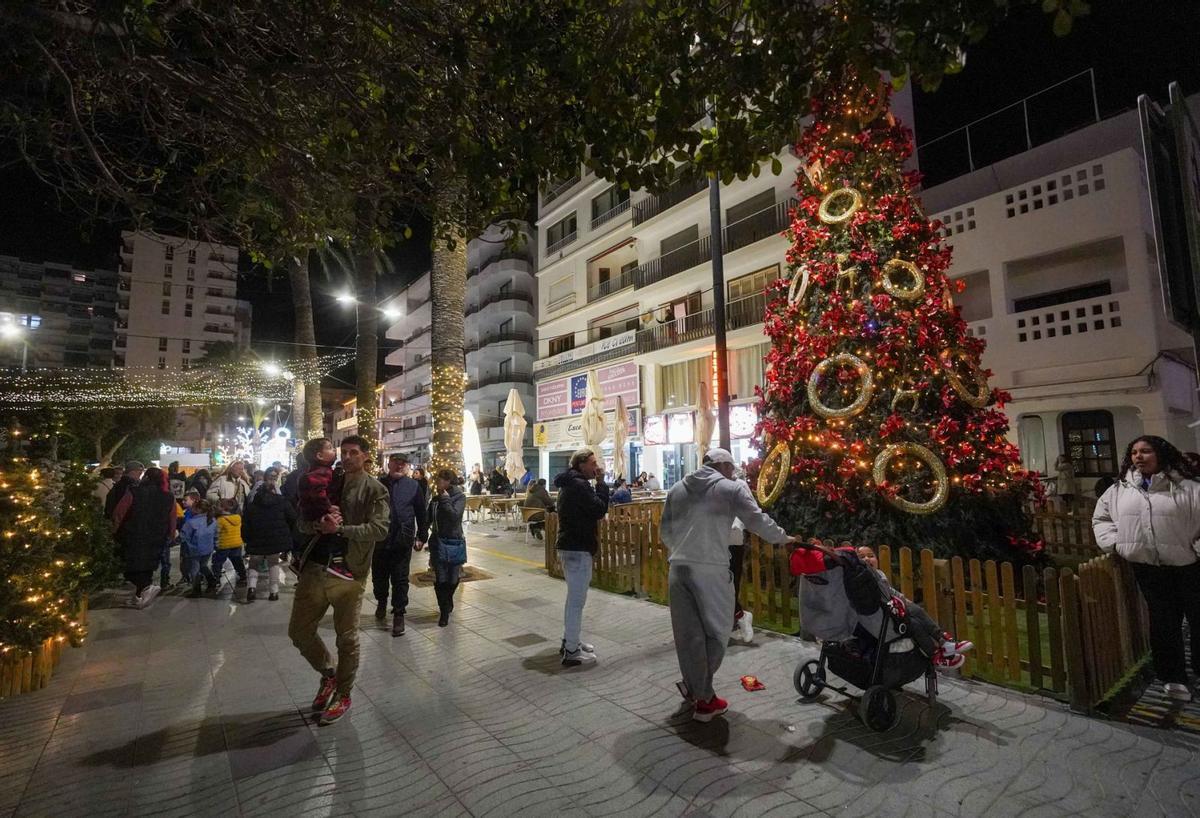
(752, 683)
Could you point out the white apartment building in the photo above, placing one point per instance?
(175, 296)
(501, 293)
(1054, 244)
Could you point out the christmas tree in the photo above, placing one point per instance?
(877, 423)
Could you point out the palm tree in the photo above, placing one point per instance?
(448, 289)
(203, 415)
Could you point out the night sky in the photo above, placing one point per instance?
(1132, 52)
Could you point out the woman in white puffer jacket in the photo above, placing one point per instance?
(1151, 517)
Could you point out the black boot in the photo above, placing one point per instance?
(381, 609)
(444, 604)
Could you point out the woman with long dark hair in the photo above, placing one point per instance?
(144, 522)
(447, 543)
(267, 525)
(1151, 517)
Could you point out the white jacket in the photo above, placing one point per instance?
(1156, 527)
(698, 518)
(226, 487)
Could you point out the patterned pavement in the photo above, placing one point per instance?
(198, 707)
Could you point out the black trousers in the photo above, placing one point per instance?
(390, 566)
(1171, 592)
(737, 559)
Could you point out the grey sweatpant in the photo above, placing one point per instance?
(701, 600)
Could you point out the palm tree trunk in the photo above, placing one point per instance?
(307, 418)
(366, 274)
(448, 285)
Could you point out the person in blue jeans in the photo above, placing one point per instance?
(581, 507)
(200, 540)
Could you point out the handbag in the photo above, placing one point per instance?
(452, 550)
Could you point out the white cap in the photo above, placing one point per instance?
(718, 456)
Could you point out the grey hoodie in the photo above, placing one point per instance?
(699, 514)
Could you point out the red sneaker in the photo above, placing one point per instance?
(339, 570)
(336, 710)
(943, 662)
(709, 710)
(328, 688)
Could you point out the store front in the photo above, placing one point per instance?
(670, 449)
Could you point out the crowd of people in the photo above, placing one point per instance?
(333, 524)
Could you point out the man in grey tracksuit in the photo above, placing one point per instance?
(695, 527)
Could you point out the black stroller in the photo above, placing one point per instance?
(863, 633)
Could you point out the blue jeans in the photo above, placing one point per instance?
(577, 570)
(196, 567)
(164, 564)
(234, 555)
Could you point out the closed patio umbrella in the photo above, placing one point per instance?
(705, 422)
(620, 433)
(514, 436)
(593, 413)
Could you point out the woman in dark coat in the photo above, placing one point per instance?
(267, 525)
(445, 521)
(143, 523)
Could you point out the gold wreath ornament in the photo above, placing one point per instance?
(847, 202)
(981, 395)
(866, 386)
(771, 483)
(941, 493)
(913, 291)
(799, 286)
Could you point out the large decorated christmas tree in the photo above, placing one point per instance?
(877, 423)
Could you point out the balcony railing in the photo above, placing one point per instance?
(651, 206)
(559, 188)
(745, 312)
(499, 338)
(770, 221)
(488, 422)
(676, 261)
(510, 295)
(612, 285)
(609, 215)
(502, 377)
(561, 243)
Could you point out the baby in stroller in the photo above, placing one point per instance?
(871, 636)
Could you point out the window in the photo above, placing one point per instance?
(1031, 438)
(191, 256)
(162, 362)
(561, 234)
(754, 283)
(505, 368)
(167, 270)
(187, 347)
(1088, 439)
(162, 344)
(562, 343)
(170, 252)
(191, 274)
(166, 290)
(187, 310)
(506, 287)
(608, 201)
(500, 407)
(187, 363)
(79, 278)
(190, 292)
(166, 308)
(506, 326)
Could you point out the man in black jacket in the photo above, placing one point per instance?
(128, 481)
(394, 555)
(580, 508)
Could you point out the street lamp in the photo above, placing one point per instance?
(11, 331)
(272, 369)
(345, 298)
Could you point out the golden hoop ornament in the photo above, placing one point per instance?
(887, 280)
(840, 196)
(779, 458)
(982, 394)
(865, 379)
(798, 289)
(940, 495)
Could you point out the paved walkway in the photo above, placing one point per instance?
(199, 707)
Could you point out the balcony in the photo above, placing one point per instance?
(615, 284)
(519, 336)
(744, 312)
(609, 215)
(676, 261)
(222, 276)
(561, 243)
(557, 188)
(770, 221)
(502, 377)
(495, 298)
(489, 422)
(651, 206)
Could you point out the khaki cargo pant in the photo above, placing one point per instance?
(316, 591)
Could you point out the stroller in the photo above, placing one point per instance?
(864, 636)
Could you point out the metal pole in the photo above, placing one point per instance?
(1095, 99)
(718, 278)
(1025, 111)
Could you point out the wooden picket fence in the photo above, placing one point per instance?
(25, 672)
(1073, 634)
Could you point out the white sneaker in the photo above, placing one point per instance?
(572, 658)
(746, 627)
(1178, 691)
(149, 594)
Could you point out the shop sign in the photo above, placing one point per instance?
(587, 350)
(568, 396)
(567, 433)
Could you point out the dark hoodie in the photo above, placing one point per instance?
(580, 508)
